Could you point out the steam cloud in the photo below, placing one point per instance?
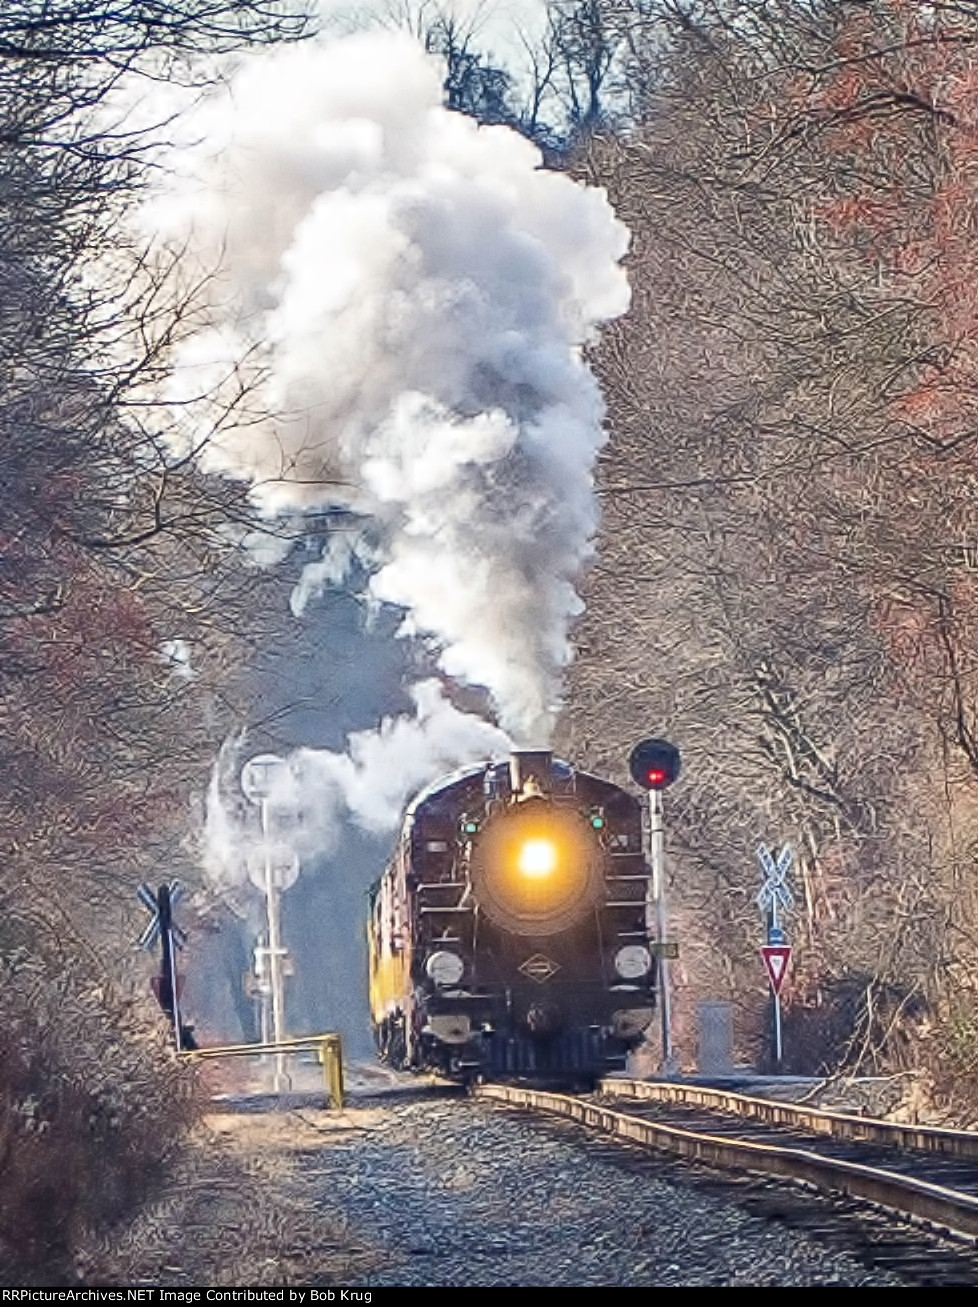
(415, 291)
(321, 790)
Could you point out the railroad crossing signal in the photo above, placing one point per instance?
(776, 958)
(159, 909)
(774, 891)
(161, 927)
(774, 895)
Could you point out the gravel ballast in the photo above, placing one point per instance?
(406, 1190)
(462, 1193)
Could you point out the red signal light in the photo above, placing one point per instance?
(654, 764)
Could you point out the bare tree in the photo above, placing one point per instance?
(122, 607)
(782, 583)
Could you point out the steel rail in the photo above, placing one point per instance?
(928, 1202)
(839, 1125)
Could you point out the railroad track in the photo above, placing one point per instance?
(925, 1174)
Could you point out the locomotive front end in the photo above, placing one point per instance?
(519, 892)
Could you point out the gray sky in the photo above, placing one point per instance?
(498, 23)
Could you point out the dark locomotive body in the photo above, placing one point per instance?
(509, 933)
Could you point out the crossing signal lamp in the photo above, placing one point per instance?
(654, 764)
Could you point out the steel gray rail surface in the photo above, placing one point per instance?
(918, 1198)
(840, 1125)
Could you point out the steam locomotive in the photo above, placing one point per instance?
(508, 935)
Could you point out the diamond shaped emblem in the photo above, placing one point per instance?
(539, 968)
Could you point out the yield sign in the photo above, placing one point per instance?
(776, 958)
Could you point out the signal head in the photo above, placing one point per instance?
(654, 764)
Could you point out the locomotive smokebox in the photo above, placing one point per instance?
(529, 773)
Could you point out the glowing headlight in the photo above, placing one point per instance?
(537, 858)
(536, 867)
(444, 968)
(632, 961)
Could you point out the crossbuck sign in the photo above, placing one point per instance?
(774, 895)
(774, 891)
(151, 932)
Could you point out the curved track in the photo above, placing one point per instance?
(929, 1175)
(762, 1146)
(960, 1144)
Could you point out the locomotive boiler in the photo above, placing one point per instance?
(508, 935)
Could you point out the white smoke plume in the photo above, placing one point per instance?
(415, 291)
(321, 792)
(342, 551)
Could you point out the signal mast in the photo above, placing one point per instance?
(654, 765)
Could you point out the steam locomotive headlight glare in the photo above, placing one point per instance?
(537, 867)
(633, 961)
(537, 858)
(444, 968)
